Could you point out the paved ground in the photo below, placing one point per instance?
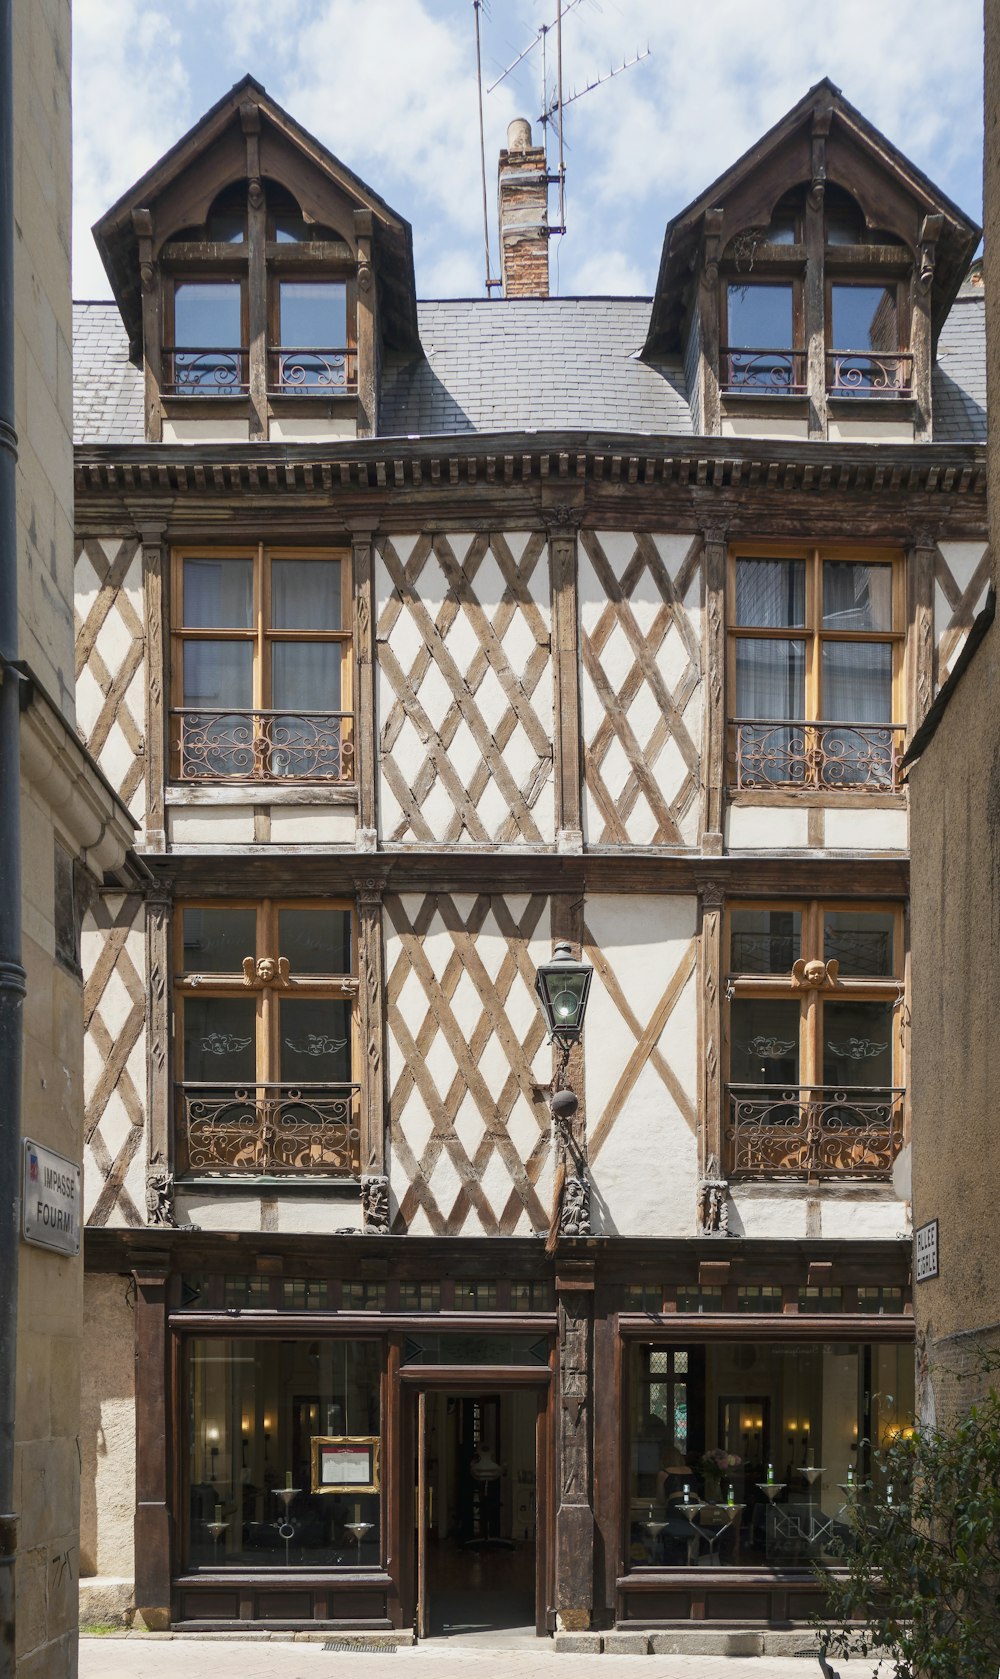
(440, 1658)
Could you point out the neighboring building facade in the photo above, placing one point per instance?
(418, 638)
(75, 833)
(955, 793)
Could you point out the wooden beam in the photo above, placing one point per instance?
(920, 561)
(365, 740)
(711, 420)
(714, 769)
(921, 339)
(151, 283)
(367, 316)
(257, 310)
(710, 1027)
(371, 1003)
(567, 744)
(574, 1593)
(814, 290)
(159, 1103)
(152, 1411)
(155, 575)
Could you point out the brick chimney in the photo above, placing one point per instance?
(523, 196)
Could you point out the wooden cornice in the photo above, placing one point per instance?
(919, 480)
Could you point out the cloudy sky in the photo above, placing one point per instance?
(390, 87)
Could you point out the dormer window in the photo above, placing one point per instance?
(206, 352)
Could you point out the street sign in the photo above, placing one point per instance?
(51, 1199)
(927, 1251)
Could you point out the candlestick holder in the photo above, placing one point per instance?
(286, 1528)
(216, 1529)
(359, 1530)
(771, 1489)
(811, 1472)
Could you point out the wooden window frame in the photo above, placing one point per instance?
(811, 999)
(205, 272)
(889, 277)
(263, 636)
(813, 636)
(783, 272)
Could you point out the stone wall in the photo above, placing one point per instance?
(107, 1433)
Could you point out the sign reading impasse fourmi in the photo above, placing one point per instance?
(51, 1199)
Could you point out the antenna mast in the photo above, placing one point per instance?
(490, 282)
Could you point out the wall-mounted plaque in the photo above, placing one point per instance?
(345, 1463)
(926, 1243)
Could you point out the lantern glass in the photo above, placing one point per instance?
(563, 985)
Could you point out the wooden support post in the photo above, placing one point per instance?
(814, 301)
(152, 1408)
(712, 1125)
(371, 1003)
(256, 273)
(711, 372)
(159, 1101)
(152, 325)
(567, 923)
(715, 691)
(367, 327)
(568, 732)
(921, 346)
(574, 1594)
(920, 562)
(365, 738)
(155, 574)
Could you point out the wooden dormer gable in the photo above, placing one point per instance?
(822, 141)
(248, 150)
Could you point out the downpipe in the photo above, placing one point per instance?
(12, 976)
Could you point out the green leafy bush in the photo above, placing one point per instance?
(921, 1578)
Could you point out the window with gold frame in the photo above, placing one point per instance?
(815, 667)
(266, 1037)
(262, 664)
(814, 1047)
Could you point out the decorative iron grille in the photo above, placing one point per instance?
(264, 745)
(868, 373)
(765, 372)
(813, 1131)
(270, 1128)
(858, 756)
(194, 372)
(312, 372)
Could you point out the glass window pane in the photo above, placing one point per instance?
(770, 594)
(764, 1041)
(857, 681)
(315, 941)
(760, 316)
(218, 674)
(862, 942)
(207, 315)
(315, 1035)
(857, 1044)
(770, 679)
(312, 314)
(218, 594)
(305, 595)
(764, 941)
(255, 1409)
(856, 596)
(216, 940)
(305, 675)
(219, 1039)
(864, 318)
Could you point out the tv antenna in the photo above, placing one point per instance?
(552, 107)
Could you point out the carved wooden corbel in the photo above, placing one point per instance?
(930, 233)
(712, 248)
(820, 131)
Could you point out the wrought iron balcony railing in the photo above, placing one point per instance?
(868, 373)
(860, 757)
(269, 1129)
(311, 371)
(193, 372)
(764, 372)
(813, 1131)
(263, 745)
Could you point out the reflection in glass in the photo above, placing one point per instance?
(764, 941)
(218, 594)
(764, 1041)
(207, 359)
(760, 316)
(746, 1416)
(316, 941)
(216, 940)
(856, 596)
(864, 318)
(305, 676)
(255, 1407)
(770, 594)
(857, 1044)
(220, 1035)
(305, 594)
(861, 941)
(315, 1041)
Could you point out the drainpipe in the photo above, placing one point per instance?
(12, 977)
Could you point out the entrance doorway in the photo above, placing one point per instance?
(478, 1502)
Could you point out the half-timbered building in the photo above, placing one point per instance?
(420, 637)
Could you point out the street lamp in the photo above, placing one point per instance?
(563, 986)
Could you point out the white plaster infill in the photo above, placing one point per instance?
(83, 803)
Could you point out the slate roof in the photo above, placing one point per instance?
(517, 364)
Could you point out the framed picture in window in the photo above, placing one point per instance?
(345, 1463)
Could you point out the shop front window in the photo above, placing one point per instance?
(283, 1455)
(755, 1453)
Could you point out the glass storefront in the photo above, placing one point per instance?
(283, 1456)
(752, 1453)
